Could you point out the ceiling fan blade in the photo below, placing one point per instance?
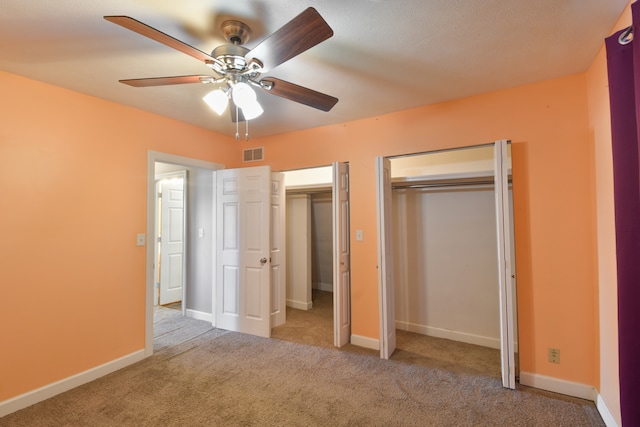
(239, 117)
(147, 31)
(300, 94)
(164, 81)
(301, 33)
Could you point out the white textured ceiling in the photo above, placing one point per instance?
(385, 55)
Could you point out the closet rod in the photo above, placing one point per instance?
(444, 184)
(309, 191)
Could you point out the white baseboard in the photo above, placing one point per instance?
(449, 334)
(327, 287)
(570, 388)
(365, 342)
(300, 305)
(608, 419)
(556, 385)
(43, 393)
(200, 315)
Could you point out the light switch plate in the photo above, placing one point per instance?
(140, 240)
(359, 235)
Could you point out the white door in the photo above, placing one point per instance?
(242, 273)
(507, 300)
(171, 269)
(341, 268)
(278, 264)
(385, 259)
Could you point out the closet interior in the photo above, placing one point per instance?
(445, 245)
(309, 235)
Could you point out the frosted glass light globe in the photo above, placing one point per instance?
(243, 95)
(252, 110)
(217, 100)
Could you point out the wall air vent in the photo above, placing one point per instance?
(253, 154)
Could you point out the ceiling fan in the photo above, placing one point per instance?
(238, 69)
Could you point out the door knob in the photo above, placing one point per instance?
(263, 260)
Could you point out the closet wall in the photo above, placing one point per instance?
(309, 247)
(322, 241)
(299, 251)
(445, 254)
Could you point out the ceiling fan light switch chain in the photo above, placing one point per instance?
(237, 132)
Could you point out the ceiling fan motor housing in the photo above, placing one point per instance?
(230, 59)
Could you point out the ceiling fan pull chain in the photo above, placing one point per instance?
(246, 130)
(237, 131)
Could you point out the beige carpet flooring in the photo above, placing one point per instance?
(201, 376)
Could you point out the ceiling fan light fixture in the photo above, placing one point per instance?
(217, 100)
(243, 95)
(252, 110)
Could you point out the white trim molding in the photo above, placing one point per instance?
(608, 419)
(300, 305)
(43, 393)
(365, 342)
(570, 388)
(449, 334)
(199, 315)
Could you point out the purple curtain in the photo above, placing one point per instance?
(623, 63)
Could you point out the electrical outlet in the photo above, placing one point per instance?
(554, 355)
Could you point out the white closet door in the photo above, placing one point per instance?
(507, 300)
(385, 259)
(341, 255)
(278, 264)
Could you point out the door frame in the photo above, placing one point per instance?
(152, 158)
(333, 187)
(505, 290)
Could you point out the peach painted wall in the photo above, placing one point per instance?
(553, 193)
(73, 185)
(73, 169)
(600, 134)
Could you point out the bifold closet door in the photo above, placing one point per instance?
(505, 275)
(385, 259)
(341, 255)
